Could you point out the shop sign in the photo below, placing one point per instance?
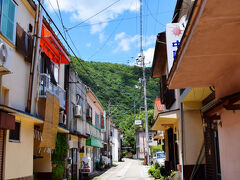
(174, 32)
(93, 141)
(103, 121)
(86, 165)
(138, 122)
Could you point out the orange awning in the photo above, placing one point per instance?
(52, 48)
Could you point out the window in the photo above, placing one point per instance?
(97, 120)
(8, 25)
(14, 135)
(89, 113)
(79, 100)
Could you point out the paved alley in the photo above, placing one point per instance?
(130, 169)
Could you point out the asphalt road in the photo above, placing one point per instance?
(130, 169)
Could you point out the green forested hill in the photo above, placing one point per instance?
(115, 83)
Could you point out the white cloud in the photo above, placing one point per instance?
(101, 37)
(149, 40)
(125, 41)
(89, 44)
(83, 9)
(149, 56)
(120, 35)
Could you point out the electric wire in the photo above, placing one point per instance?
(109, 37)
(64, 39)
(116, 20)
(153, 16)
(92, 16)
(61, 20)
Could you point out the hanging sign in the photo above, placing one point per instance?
(103, 121)
(138, 122)
(174, 32)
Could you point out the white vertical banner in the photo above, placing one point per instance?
(174, 33)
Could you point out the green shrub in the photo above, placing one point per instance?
(123, 153)
(59, 155)
(58, 171)
(151, 170)
(156, 165)
(157, 174)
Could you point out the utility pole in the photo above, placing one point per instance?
(134, 106)
(141, 59)
(109, 131)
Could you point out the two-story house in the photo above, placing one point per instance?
(16, 121)
(76, 119)
(49, 84)
(95, 141)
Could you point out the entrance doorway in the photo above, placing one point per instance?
(213, 170)
(74, 156)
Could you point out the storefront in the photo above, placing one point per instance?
(94, 146)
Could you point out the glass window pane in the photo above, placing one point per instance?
(8, 18)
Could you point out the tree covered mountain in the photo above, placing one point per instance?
(116, 84)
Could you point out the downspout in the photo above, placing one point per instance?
(182, 154)
(35, 57)
(28, 109)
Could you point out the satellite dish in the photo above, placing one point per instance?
(3, 53)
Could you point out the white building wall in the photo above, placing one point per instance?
(115, 145)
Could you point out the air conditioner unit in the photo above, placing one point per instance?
(77, 111)
(5, 59)
(62, 118)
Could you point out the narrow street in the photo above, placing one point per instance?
(130, 169)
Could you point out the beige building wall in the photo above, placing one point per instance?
(43, 164)
(192, 136)
(229, 145)
(19, 155)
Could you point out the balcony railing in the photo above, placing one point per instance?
(92, 130)
(45, 86)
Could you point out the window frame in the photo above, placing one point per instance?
(14, 140)
(13, 41)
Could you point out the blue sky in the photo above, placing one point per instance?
(113, 34)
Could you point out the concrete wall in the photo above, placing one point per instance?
(19, 155)
(78, 124)
(115, 144)
(94, 110)
(61, 75)
(192, 136)
(229, 144)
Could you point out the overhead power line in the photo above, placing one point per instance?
(92, 16)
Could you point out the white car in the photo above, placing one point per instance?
(159, 158)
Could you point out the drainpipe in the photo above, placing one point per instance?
(33, 74)
(182, 154)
